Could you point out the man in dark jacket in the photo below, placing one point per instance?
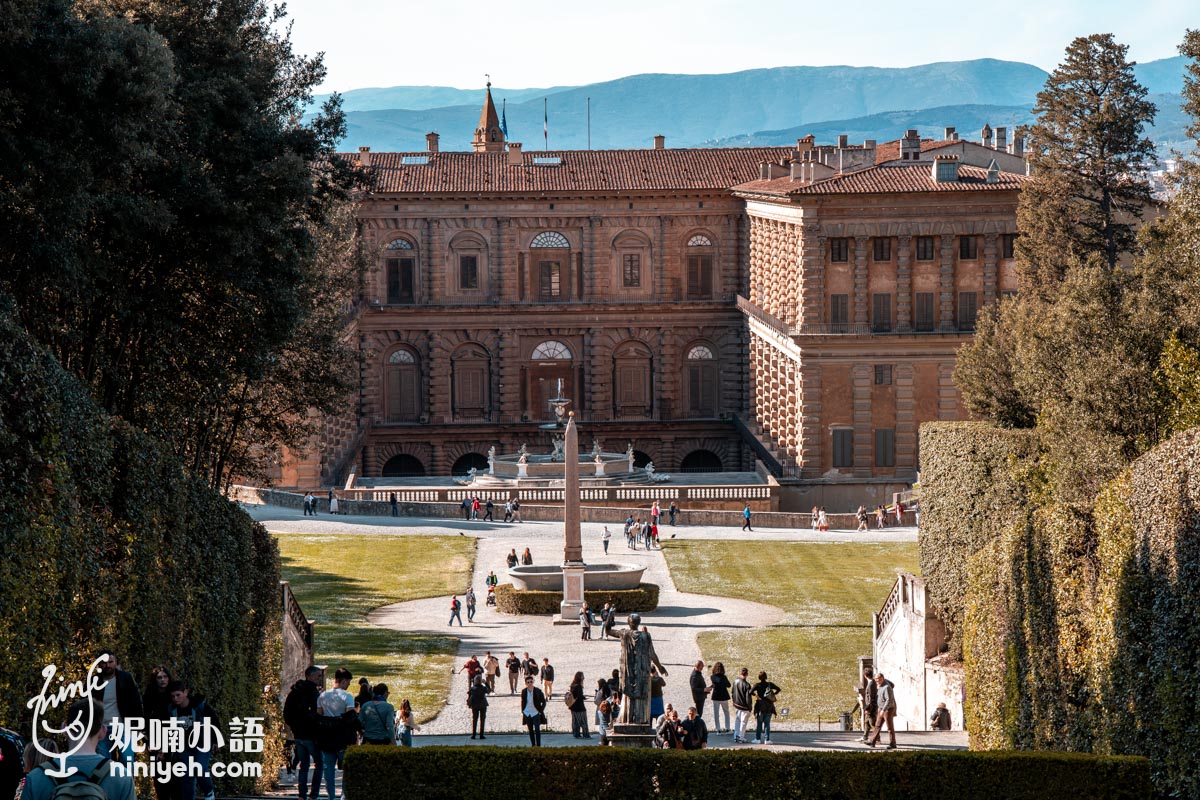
(193, 711)
(743, 702)
(119, 697)
(478, 703)
(533, 708)
(699, 687)
(696, 731)
(868, 697)
(300, 714)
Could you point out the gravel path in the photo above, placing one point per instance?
(674, 625)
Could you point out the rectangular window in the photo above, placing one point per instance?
(881, 316)
(631, 270)
(843, 448)
(924, 248)
(923, 314)
(550, 287)
(885, 447)
(839, 249)
(1008, 293)
(1007, 240)
(883, 374)
(400, 280)
(700, 277)
(883, 249)
(468, 272)
(839, 311)
(968, 309)
(968, 248)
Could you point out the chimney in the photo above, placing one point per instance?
(431, 142)
(985, 135)
(993, 172)
(364, 157)
(797, 170)
(1018, 145)
(843, 140)
(660, 142)
(1002, 139)
(764, 170)
(950, 134)
(945, 169)
(514, 154)
(776, 170)
(868, 144)
(910, 146)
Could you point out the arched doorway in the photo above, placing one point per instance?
(701, 461)
(464, 464)
(640, 459)
(403, 466)
(550, 362)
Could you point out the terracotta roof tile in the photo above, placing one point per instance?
(579, 170)
(900, 178)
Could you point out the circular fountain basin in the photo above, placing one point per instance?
(549, 577)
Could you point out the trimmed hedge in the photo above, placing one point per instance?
(517, 601)
(972, 489)
(108, 543)
(442, 773)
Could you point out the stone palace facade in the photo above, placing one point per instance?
(798, 306)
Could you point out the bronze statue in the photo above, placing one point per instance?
(637, 654)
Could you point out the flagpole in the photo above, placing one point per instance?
(589, 123)
(545, 124)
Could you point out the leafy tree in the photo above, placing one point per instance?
(1090, 156)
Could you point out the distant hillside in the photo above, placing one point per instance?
(694, 110)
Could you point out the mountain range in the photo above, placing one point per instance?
(753, 107)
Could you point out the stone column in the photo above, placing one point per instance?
(812, 277)
(946, 285)
(573, 566)
(810, 420)
(990, 277)
(860, 280)
(863, 446)
(906, 427)
(903, 283)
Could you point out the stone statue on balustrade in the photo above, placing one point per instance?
(637, 655)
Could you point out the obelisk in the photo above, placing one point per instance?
(572, 600)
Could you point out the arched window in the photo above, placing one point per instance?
(700, 252)
(701, 390)
(400, 272)
(550, 239)
(402, 387)
(552, 351)
(632, 381)
(701, 461)
(470, 371)
(403, 466)
(464, 464)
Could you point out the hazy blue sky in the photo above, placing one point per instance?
(547, 43)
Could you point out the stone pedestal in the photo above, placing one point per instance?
(631, 736)
(572, 600)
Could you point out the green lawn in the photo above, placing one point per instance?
(340, 579)
(829, 591)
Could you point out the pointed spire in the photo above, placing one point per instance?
(488, 136)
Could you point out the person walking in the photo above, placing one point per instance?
(455, 611)
(513, 665)
(85, 739)
(508, 510)
(547, 677)
(488, 508)
(939, 720)
(475, 506)
(899, 513)
(333, 502)
(822, 520)
(527, 557)
(533, 711)
(653, 534)
(603, 710)
(695, 731)
(746, 519)
(718, 689)
(699, 687)
(338, 727)
(880, 517)
(470, 598)
(378, 717)
(408, 723)
(578, 708)
(530, 666)
(655, 512)
(309, 502)
(512, 558)
(491, 668)
(764, 708)
(605, 537)
(814, 518)
(395, 505)
(466, 508)
(671, 512)
(743, 701)
(517, 518)
(478, 703)
(491, 579)
(868, 698)
(657, 684)
(887, 712)
(861, 516)
(300, 714)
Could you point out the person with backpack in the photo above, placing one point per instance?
(378, 717)
(93, 778)
(764, 708)
(300, 713)
(743, 701)
(192, 711)
(478, 703)
(455, 611)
